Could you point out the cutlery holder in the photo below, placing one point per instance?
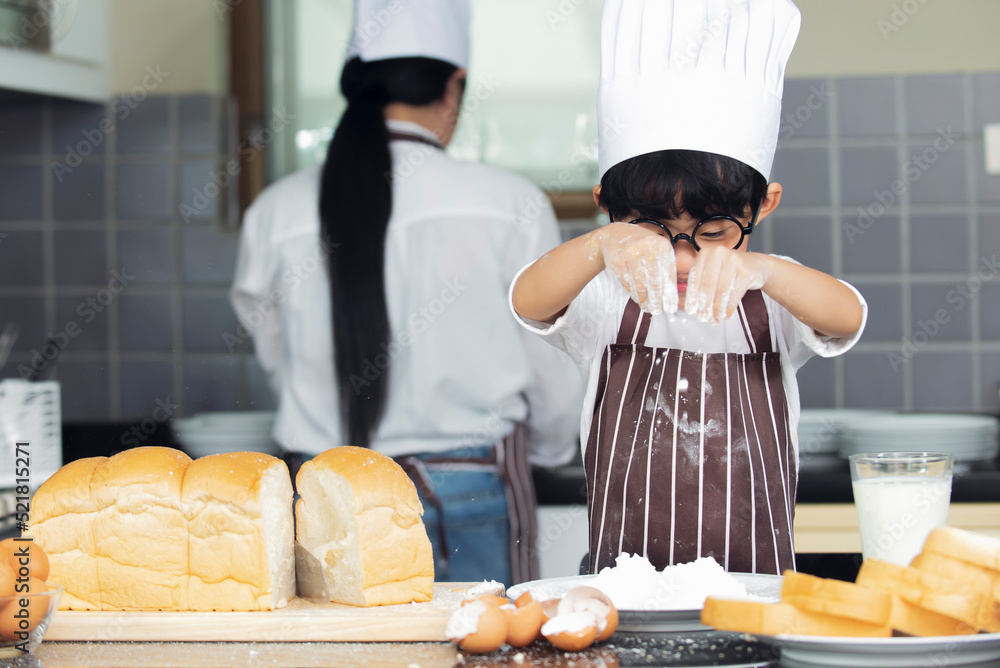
(29, 412)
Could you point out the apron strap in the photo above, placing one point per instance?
(522, 506)
(752, 313)
(634, 325)
(406, 136)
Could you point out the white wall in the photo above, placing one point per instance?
(551, 45)
(869, 37)
(186, 38)
(543, 59)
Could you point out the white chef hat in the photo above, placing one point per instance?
(704, 75)
(436, 29)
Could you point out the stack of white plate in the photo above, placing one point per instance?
(820, 434)
(235, 431)
(968, 438)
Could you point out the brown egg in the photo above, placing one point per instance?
(478, 627)
(571, 631)
(591, 599)
(523, 623)
(7, 580)
(524, 599)
(11, 615)
(26, 553)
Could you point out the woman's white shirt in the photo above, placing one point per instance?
(461, 370)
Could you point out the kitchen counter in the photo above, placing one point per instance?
(634, 649)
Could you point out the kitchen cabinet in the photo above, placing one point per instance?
(833, 527)
(73, 60)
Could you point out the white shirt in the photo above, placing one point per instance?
(462, 371)
(591, 323)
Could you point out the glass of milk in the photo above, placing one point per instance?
(900, 497)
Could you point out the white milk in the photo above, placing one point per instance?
(895, 514)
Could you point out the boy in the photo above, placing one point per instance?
(691, 340)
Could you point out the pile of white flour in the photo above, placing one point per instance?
(634, 584)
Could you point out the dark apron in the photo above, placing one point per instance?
(675, 474)
(510, 460)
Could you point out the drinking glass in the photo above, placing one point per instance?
(900, 498)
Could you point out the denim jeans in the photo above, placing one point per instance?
(476, 523)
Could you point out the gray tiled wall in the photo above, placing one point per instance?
(78, 203)
(868, 197)
(896, 199)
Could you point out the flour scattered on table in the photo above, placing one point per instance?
(483, 588)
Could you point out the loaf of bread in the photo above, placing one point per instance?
(238, 508)
(140, 534)
(148, 529)
(360, 516)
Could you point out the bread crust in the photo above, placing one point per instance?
(148, 529)
(62, 523)
(359, 514)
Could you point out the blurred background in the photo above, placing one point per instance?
(134, 132)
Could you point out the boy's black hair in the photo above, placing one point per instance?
(664, 184)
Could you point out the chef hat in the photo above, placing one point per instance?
(436, 29)
(704, 75)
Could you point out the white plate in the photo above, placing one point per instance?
(765, 587)
(977, 650)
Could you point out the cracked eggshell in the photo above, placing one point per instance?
(571, 631)
(524, 621)
(477, 627)
(549, 607)
(591, 599)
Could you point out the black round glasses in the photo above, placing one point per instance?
(718, 230)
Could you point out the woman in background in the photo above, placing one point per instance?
(376, 289)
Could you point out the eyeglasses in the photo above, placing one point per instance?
(719, 230)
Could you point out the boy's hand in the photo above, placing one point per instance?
(643, 261)
(719, 279)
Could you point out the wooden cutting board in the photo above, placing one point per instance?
(301, 620)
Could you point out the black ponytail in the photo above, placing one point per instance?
(355, 204)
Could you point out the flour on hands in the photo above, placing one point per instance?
(718, 280)
(644, 264)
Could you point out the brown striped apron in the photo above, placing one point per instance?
(510, 460)
(689, 454)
